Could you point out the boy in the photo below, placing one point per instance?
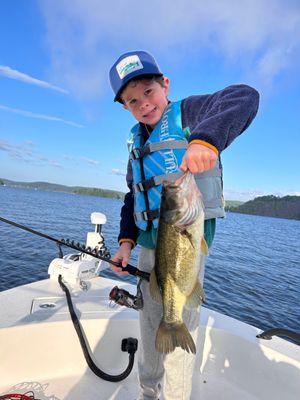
(169, 137)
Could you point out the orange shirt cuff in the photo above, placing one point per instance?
(127, 240)
(210, 146)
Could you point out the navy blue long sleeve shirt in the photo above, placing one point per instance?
(216, 119)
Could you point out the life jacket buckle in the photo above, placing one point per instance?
(145, 184)
(150, 215)
(139, 187)
(136, 153)
(145, 215)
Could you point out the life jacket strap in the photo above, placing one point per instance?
(147, 184)
(148, 215)
(140, 152)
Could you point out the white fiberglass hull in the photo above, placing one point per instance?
(40, 351)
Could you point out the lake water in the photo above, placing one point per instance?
(252, 273)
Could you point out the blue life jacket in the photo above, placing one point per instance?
(158, 160)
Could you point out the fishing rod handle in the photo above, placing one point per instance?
(131, 270)
(136, 272)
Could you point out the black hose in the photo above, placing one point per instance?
(279, 332)
(129, 344)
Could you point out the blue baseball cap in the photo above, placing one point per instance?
(129, 66)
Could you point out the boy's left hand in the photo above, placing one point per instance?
(198, 158)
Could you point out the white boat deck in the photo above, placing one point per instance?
(40, 351)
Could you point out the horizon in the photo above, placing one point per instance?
(103, 188)
(58, 119)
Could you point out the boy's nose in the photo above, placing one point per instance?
(144, 104)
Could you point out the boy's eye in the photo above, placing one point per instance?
(132, 101)
(148, 91)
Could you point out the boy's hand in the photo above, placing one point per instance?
(198, 158)
(123, 256)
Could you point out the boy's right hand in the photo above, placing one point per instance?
(122, 256)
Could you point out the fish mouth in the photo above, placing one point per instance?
(179, 187)
(183, 180)
(181, 201)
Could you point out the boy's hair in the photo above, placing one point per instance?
(147, 79)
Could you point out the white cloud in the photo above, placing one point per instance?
(30, 114)
(25, 152)
(29, 143)
(68, 157)
(116, 171)
(90, 161)
(19, 151)
(250, 194)
(20, 76)
(262, 36)
(242, 195)
(56, 164)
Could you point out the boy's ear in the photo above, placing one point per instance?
(166, 85)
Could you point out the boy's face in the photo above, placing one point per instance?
(146, 100)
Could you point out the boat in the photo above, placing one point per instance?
(42, 357)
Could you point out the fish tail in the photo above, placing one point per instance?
(171, 335)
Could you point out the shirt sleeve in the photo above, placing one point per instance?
(219, 118)
(128, 228)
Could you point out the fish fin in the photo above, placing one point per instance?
(154, 289)
(172, 335)
(196, 297)
(204, 247)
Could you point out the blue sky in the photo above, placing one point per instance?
(58, 122)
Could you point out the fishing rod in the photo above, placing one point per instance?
(101, 254)
(128, 345)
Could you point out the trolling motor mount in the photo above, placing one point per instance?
(80, 266)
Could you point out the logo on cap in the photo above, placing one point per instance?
(129, 65)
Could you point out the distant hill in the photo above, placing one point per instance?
(54, 187)
(271, 206)
(229, 204)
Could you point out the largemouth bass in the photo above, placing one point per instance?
(174, 280)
